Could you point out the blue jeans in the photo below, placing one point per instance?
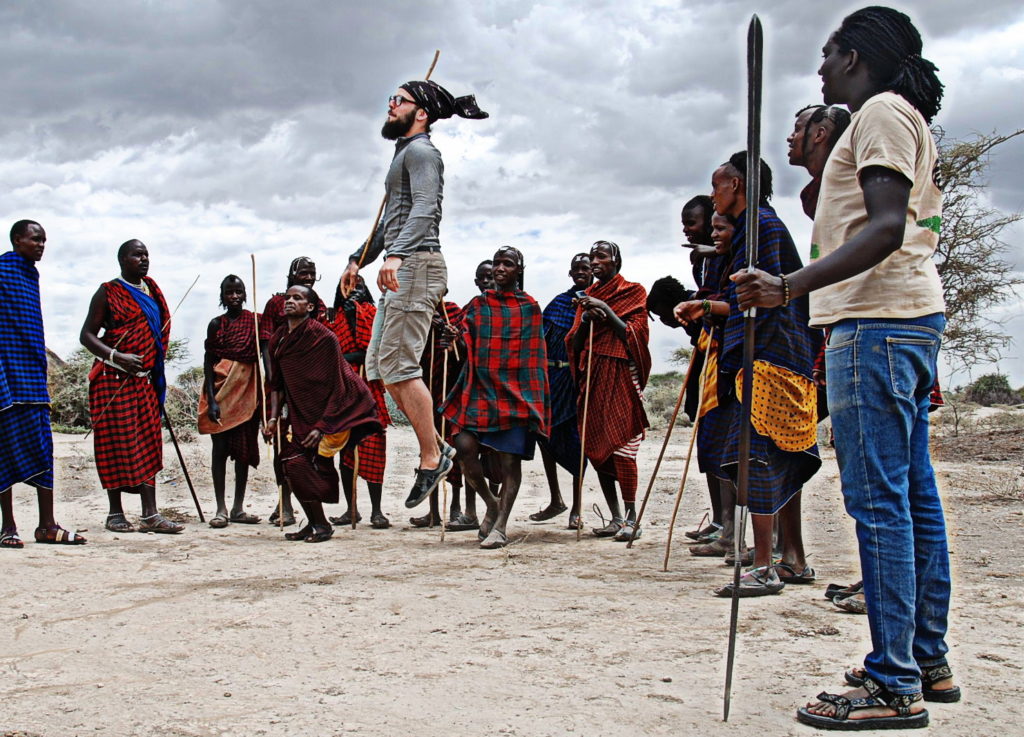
(880, 375)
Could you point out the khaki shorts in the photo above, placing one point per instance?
(402, 324)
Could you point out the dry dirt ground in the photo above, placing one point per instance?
(225, 632)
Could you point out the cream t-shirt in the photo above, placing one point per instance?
(887, 131)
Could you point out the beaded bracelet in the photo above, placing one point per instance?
(706, 306)
(785, 290)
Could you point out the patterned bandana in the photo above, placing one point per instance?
(440, 103)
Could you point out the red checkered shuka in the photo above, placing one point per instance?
(616, 413)
(372, 458)
(356, 338)
(235, 340)
(128, 442)
(504, 382)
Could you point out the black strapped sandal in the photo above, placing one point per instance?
(929, 677)
(877, 696)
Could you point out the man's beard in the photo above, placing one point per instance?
(395, 129)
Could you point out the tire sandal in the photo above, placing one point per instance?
(9, 539)
(244, 518)
(877, 696)
(379, 521)
(160, 524)
(319, 535)
(609, 529)
(763, 581)
(789, 574)
(219, 521)
(58, 536)
(929, 677)
(118, 523)
(547, 513)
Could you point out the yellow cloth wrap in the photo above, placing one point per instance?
(785, 406)
(330, 445)
(709, 347)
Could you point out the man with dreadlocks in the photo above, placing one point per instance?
(329, 409)
(609, 338)
(127, 387)
(562, 447)
(229, 404)
(301, 271)
(413, 278)
(874, 284)
(27, 456)
(352, 323)
(500, 398)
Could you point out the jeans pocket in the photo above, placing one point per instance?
(841, 337)
(911, 364)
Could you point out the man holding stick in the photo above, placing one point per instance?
(874, 284)
(413, 277)
(127, 386)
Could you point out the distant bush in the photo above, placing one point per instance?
(662, 393)
(992, 389)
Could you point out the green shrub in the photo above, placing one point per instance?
(992, 389)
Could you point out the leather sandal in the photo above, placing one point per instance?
(158, 523)
(118, 523)
(58, 536)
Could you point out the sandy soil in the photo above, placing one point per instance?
(224, 632)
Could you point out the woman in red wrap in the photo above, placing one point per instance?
(500, 398)
(614, 312)
(327, 408)
(229, 404)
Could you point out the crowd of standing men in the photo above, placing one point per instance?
(484, 384)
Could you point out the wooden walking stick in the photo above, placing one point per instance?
(583, 428)
(184, 469)
(355, 468)
(384, 201)
(686, 466)
(263, 389)
(754, 56)
(123, 336)
(661, 455)
(444, 482)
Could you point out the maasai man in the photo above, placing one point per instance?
(710, 312)
(484, 276)
(127, 387)
(229, 405)
(500, 398)
(27, 456)
(613, 312)
(413, 278)
(436, 356)
(302, 271)
(783, 437)
(874, 283)
(352, 323)
(562, 447)
(816, 130)
(329, 409)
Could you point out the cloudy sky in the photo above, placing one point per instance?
(212, 130)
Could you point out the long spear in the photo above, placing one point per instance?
(661, 455)
(755, 45)
(384, 201)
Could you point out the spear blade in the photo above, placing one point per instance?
(755, 45)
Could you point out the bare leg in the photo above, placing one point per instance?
(792, 534)
(556, 505)
(7, 509)
(611, 496)
(716, 498)
(413, 398)
(218, 468)
(512, 477)
(241, 482)
(114, 501)
(148, 494)
(468, 448)
(45, 497)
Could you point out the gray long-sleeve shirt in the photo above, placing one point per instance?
(414, 187)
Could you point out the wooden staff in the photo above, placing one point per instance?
(123, 335)
(384, 201)
(664, 445)
(430, 389)
(444, 481)
(355, 466)
(184, 470)
(583, 430)
(689, 455)
(263, 389)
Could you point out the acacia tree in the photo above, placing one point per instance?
(971, 257)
